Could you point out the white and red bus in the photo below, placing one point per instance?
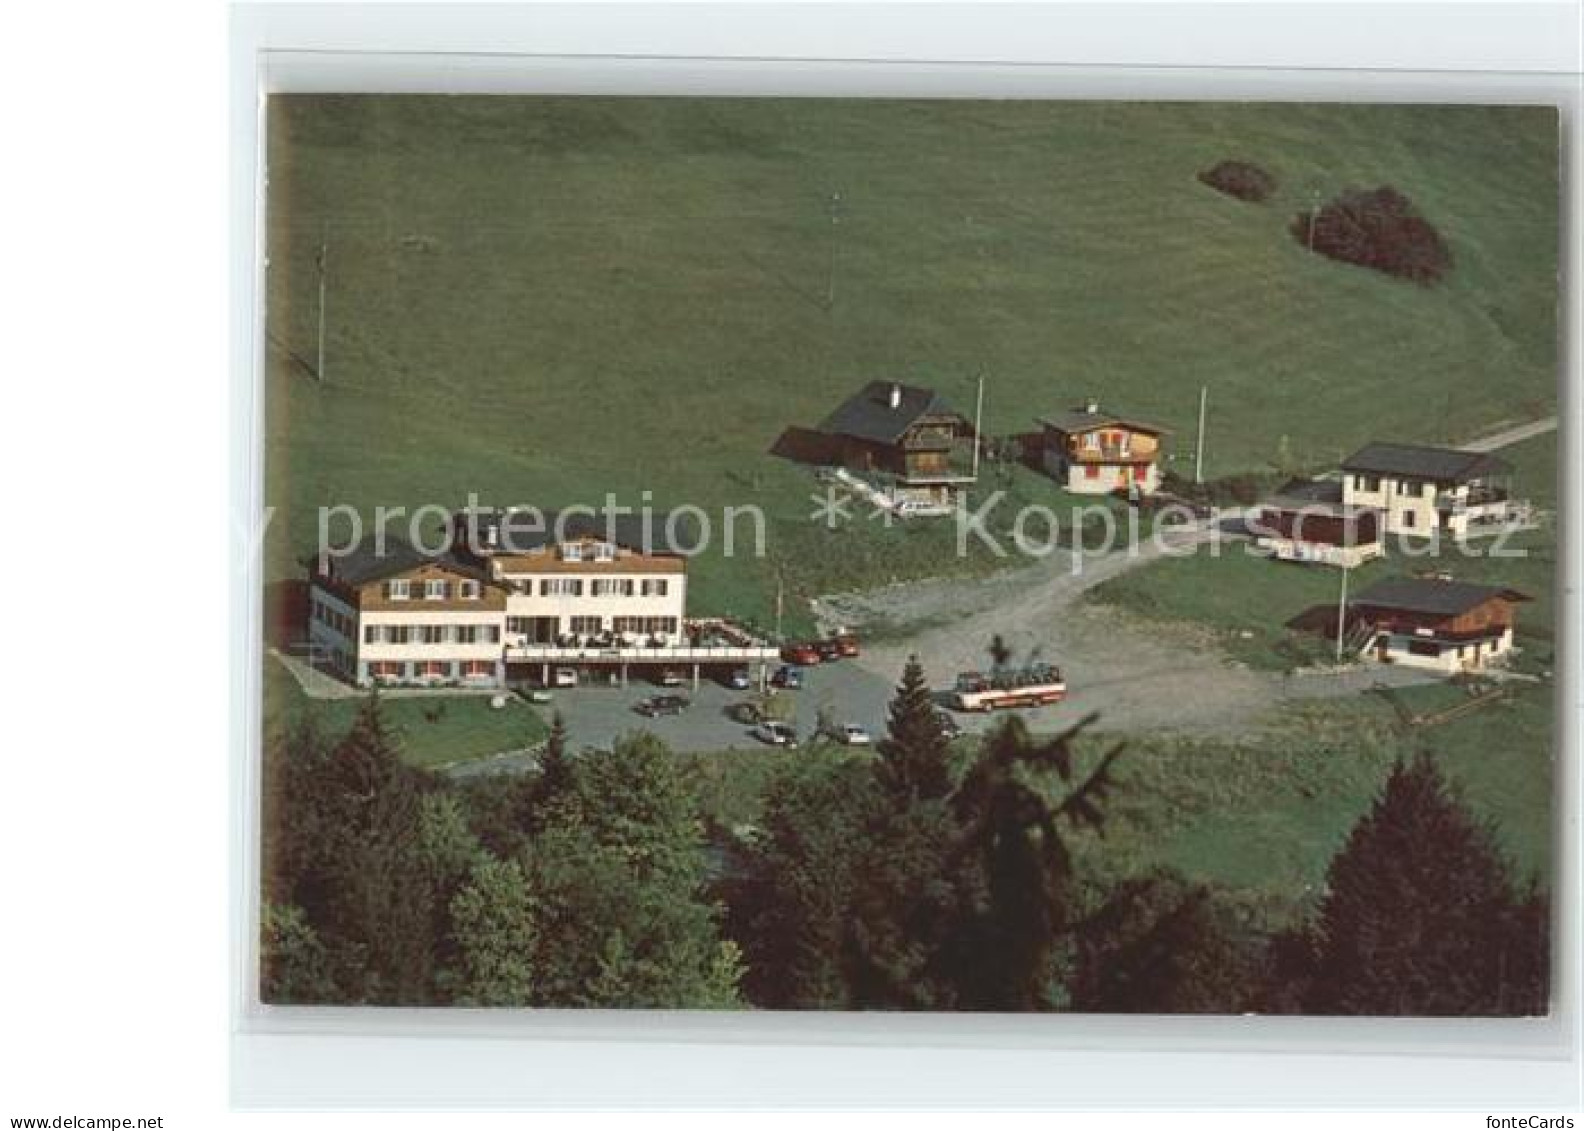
(1038, 685)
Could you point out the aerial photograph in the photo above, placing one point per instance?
(937, 555)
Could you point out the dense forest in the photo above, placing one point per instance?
(929, 876)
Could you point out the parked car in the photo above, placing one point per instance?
(564, 677)
(800, 653)
(950, 729)
(672, 677)
(738, 679)
(851, 734)
(772, 733)
(788, 677)
(829, 651)
(657, 705)
(846, 643)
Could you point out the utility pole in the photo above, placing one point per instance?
(1341, 614)
(780, 601)
(834, 208)
(978, 420)
(1204, 395)
(324, 266)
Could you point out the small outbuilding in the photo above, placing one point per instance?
(1307, 521)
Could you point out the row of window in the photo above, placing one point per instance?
(590, 551)
(431, 634)
(397, 669)
(1140, 472)
(593, 626)
(1409, 488)
(334, 618)
(604, 587)
(434, 589)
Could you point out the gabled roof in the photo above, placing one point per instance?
(528, 530)
(375, 560)
(1082, 420)
(1299, 492)
(1427, 595)
(868, 415)
(1446, 465)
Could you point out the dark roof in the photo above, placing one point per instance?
(869, 415)
(1426, 595)
(1420, 462)
(523, 530)
(1082, 420)
(375, 559)
(1302, 491)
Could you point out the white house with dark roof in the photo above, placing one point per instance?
(1422, 491)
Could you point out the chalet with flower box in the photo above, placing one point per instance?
(908, 437)
(1425, 491)
(1093, 452)
(1445, 626)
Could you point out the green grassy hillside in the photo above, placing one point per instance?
(542, 300)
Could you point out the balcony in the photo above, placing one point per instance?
(951, 464)
(1476, 498)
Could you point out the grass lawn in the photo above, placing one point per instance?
(542, 300)
(1264, 815)
(434, 730)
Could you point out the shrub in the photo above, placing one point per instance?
(1240, 179)
(1379, 229)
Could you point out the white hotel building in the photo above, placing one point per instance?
(510, 600)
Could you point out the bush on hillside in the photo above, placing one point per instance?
(1240, 179)
(1376, 228)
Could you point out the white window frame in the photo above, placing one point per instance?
(468, 590)
(398, 589)
(571, 551)
(435, 589)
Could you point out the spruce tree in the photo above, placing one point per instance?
(555, 762)
(1420, 917)
(1019, 898)
(914, 756)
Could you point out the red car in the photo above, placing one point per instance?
(846, 643)
(800, 653)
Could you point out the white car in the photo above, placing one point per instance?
(564, 677)
(775, 734)
(851, 734)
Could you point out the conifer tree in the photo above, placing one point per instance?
(914, 755)
(1420, 917)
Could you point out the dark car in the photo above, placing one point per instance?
(846, 643)
(788, 677)
(950, 729)
(800, 653)
(829, 650)
(662, 705)
(738, 679)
